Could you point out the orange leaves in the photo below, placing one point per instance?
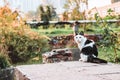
(4, 11)
(9, 22)
(7, 17)
(19, 41)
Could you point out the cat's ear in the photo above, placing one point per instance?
(76, 33)
(81, 33)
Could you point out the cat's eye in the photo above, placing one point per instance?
(79, 37)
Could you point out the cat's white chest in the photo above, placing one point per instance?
(81, 45)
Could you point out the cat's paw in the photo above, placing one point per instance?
(80, 59)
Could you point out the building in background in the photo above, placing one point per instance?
(100, 6)
(90, 5)
(113, 1)
(102, 11)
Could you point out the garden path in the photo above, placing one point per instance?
(71, 70)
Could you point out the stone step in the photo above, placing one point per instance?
(71, 70)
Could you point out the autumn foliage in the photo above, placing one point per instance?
(17, 40)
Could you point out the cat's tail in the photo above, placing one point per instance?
(96, 60)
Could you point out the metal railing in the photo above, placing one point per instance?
(35, 24)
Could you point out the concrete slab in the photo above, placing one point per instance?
(73, 70)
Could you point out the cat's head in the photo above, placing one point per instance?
(79, 38)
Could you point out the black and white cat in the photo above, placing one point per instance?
(88, 49)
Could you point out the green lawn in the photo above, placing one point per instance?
(68, 30)
(54, 32)
(104, 53)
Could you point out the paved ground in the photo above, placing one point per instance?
(73, 70)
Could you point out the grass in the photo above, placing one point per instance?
(104, 53)
(54, 32)
(108, 54)
(90, 29)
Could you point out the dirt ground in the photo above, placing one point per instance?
(72, 70)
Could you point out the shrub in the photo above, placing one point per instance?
(110, 37)
(21, 42)
(22, 48)
(4, 61)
